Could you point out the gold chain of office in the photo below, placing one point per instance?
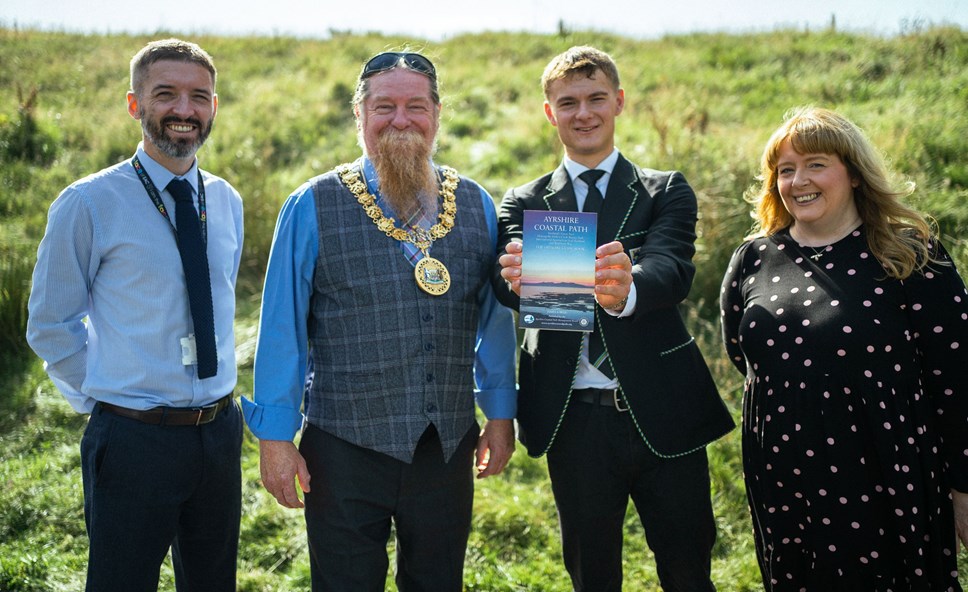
(431, 275)
(422, 239)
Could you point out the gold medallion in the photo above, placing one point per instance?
(432, 277)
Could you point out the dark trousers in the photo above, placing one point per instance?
(357, 492)
(597, 462)
(149, 488)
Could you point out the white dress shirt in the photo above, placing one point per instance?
(589, 376)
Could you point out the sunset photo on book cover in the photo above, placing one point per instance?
(558, 271)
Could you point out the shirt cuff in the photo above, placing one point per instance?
(68, 376)
(271, 423)
(78, 401)
(498, 403)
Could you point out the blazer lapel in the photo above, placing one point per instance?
(560, 195)
(621, 196)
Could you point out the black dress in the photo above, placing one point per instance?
(855, 414)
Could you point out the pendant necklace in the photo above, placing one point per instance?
(431, 275)
(817, 254)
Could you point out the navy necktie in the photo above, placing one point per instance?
(597, 355)
(593, 201)
(194, 259)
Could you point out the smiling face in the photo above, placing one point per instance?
(398, 100)
(176, 106)
(583, 109)
(817, 190)
(398, 121)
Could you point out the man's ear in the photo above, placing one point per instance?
(133, 110)
(550, 114)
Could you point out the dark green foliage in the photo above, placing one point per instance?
(23, 138)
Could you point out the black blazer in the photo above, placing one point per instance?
(670, 392)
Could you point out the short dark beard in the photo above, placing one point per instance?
(407, 179)
(157, 134)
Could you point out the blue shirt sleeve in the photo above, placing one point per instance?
(495, 350)
(59, 299)
(282, 348)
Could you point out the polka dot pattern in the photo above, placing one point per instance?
(855, 406)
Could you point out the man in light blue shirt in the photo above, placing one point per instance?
(378, 280)
(129, 339)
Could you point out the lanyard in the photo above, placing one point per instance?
(156, 197)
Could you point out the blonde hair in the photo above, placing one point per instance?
(580, 60)
(898, 235)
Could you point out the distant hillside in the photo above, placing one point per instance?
(703, 104)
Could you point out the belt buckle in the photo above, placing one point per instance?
(214, 408)
(618, 401)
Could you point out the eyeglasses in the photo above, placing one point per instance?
(389, 60)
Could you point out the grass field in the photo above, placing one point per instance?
(703, 104)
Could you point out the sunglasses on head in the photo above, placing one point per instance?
(389, 60)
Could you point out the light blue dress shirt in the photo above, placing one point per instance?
(588, 376)
(283, 345)
(109, 306)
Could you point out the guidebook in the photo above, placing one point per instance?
(558, 271)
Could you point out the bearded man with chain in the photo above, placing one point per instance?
(378, 283)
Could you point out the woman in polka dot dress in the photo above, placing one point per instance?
(850, 324)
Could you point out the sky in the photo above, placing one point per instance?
(439, 19)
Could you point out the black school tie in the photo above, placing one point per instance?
(194, 258)
(593, 203)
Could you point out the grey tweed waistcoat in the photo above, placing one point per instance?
(389, 359)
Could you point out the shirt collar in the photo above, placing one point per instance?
(370, 177)
(574, 169)
(161, 176)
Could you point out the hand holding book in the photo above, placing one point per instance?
(511, 265)
(613, 276)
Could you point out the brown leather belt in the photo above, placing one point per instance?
(173, 416)
(604, 397)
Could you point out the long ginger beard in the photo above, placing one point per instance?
(407, 180)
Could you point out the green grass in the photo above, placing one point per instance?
(704, 104)
(514, 544)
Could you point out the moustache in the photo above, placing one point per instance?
(400, 135)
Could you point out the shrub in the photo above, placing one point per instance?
(25, 139)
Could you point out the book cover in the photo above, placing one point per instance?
(558, 271)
